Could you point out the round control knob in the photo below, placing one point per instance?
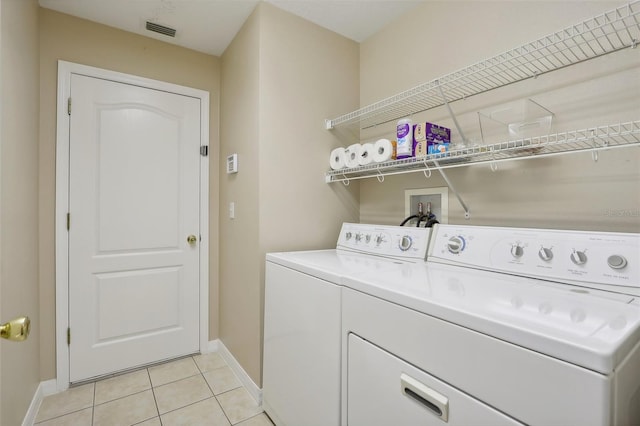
(616, 261)
(545, 254)
(405, 243)
(578, 257)
(358, 237)
(348, 236)
(379, 239)
(367, 238)
(455, 244)
(517, 251)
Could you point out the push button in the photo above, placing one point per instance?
(616, 262)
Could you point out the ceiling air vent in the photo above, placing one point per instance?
(160, 29)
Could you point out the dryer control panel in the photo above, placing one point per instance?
(406, 243)
(594, 259)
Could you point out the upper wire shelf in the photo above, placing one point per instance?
(592, 139)
(603, 34)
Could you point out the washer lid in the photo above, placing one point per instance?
(586, 327)
(331, 265)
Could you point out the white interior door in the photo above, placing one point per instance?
(133, 200)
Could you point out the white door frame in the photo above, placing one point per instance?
(65, 70)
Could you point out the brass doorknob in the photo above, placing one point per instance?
(17, 329)
(191, 239)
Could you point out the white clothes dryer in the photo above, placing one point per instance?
(500, 326)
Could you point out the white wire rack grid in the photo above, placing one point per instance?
(606, 33)
(593, 139)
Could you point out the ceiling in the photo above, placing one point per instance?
(210, 25)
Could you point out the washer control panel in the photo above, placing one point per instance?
(408, 243)
(581, 257)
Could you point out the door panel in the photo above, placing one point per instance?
(134, 198)
(139, 167)
(123, 292)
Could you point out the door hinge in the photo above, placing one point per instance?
(68, 335)
(204, 150)
(69, 106)
(68, 221)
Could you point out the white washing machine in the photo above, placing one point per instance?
(302, 317)
(500, 326)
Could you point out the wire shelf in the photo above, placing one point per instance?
(593, 139)
(606, 33)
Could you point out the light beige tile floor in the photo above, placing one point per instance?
(194, 391)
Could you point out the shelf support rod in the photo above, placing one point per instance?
(453, 116)
(464, 139)
(467, 215)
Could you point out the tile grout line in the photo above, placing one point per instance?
(93, 405)
(70, 412)
(155, 400)
(62, 415)
(119, 398)
(222, 393)
(213, 394)
(188, 405)
(175, 381)
(124, 397)
(259, 414)
(243, 420)
(222, 409)
(224, 413)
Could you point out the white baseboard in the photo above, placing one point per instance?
(214, 346)
(44, 389)
(247, 382)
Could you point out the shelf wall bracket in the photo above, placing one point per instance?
(328, 124)
(467, 215)
(453, 116)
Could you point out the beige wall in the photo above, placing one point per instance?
(76, 40)
(570, 191)
(239, 244)
(297, 74)
(307, 74)
(20, 368)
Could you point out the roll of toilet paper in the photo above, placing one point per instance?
(337, 159)
(382, 150)
(366, 154)
(352, 154)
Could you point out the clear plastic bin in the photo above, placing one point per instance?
(517, 120)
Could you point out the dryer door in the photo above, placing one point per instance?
(384, 390)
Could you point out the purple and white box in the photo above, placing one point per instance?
(429, 138)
